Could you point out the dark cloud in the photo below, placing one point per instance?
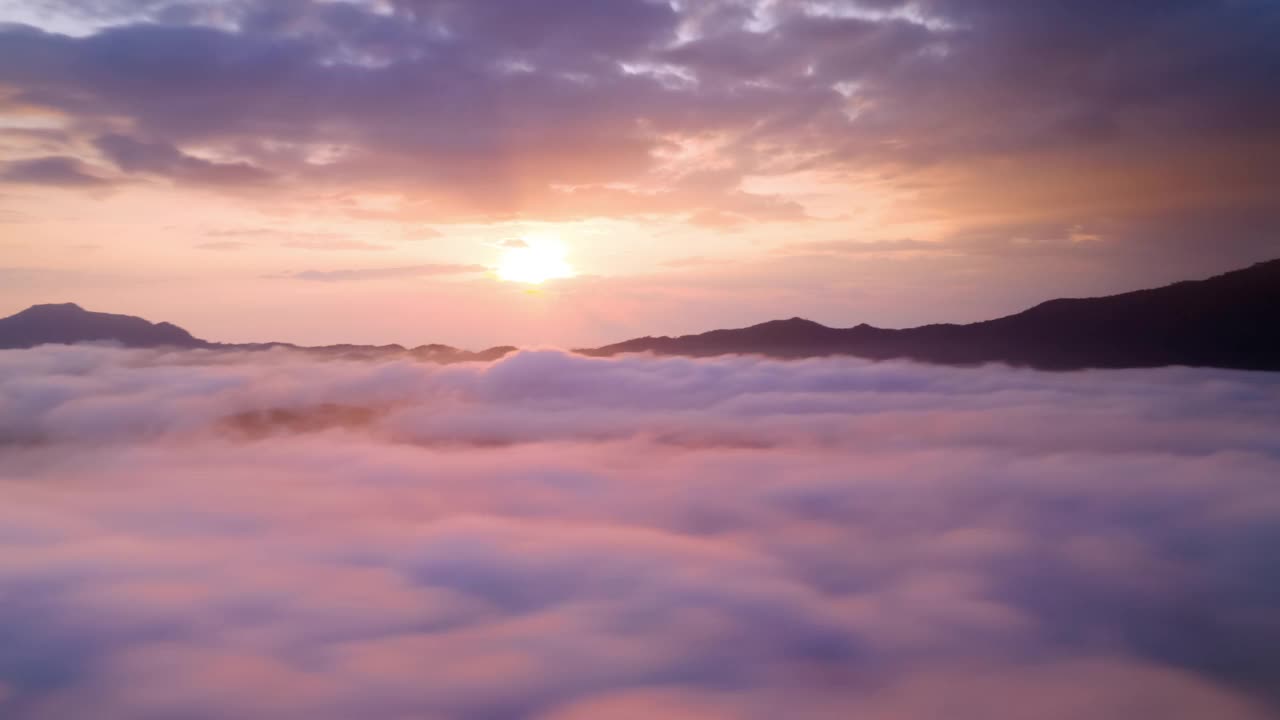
(557, 31)
(53, 170)
(568, 108)
(632, 537)
(133, 156)
(980, 75)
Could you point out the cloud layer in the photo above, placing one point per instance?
(215, 535)
(572, 108)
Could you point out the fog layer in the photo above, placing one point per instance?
(265, 535)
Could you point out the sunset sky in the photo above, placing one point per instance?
(382, 171)
(1072, 514)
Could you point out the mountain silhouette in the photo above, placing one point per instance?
(66, 323)
(1229, 321)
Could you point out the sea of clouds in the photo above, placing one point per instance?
(220, 536)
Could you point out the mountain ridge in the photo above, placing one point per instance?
(1229, 320)
(69, 323)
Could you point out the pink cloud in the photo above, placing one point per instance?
(560, 537)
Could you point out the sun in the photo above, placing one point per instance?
(533, 261)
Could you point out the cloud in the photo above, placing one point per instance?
(53, 170)
(271, 535)
(696, 261)
(870, 247)
(248, 232)
(299, 240)
(333, 244)
(386, 273)
(134, 156)
(223, 245)
(412, 232)
(567, 112)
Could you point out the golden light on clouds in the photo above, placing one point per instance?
(534, 260)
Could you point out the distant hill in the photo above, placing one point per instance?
(1230, 321)
(67, 323)
(431, 353)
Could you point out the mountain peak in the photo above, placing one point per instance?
(793, 323)
(52, 308)
(68, 323)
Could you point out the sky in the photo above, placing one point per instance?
(223, 535)
(378, 171)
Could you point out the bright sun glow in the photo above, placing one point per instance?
(536, 261)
